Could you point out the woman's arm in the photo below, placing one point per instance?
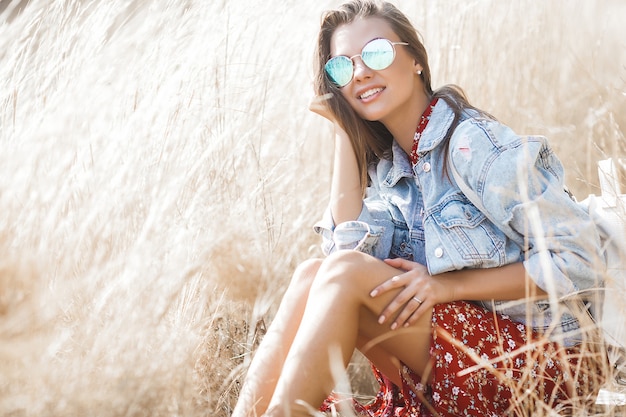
(352, 221)
(509, 282)
(346, 196)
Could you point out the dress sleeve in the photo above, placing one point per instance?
(521, 185)
(371, 232)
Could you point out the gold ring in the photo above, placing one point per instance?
(418, 300)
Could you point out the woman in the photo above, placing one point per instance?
(417, 276)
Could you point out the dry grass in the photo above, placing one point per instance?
(159, 175)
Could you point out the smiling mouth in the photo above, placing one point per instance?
(370, 93)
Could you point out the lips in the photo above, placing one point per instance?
(369, 93)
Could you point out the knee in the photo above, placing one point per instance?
(344, 267)
(304, 275)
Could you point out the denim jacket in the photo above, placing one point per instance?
(419, 213)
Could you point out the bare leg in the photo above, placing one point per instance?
(268, 360)
(338, 315)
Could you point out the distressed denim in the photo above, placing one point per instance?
(419, 213)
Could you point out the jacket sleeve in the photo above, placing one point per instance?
(520, 183)
(371, 232)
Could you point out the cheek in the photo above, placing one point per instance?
(404, 85)
(403, 76)
(402, 70)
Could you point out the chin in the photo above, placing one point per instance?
(370, 116)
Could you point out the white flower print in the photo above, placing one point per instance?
(511, 343)
(456, 390)
(448, 357)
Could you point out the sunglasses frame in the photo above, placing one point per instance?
(393, 49)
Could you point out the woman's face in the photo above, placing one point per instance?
(376, 95)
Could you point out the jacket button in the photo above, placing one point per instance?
(426, 167)
(438, 252)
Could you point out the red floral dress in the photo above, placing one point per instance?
(485, 364)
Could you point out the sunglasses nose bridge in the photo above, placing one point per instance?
(359, 67)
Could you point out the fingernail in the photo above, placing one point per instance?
(406, 325)
(381, 319)
(373, 293)
(394, 326)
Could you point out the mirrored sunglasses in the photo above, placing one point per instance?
(377, 54)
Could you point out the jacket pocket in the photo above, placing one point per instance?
(478, 242)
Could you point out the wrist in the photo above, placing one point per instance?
(452, 286)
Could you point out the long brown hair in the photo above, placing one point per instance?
(370, 139)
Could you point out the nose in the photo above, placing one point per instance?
(361, 71)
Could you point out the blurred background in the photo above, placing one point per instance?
(160, 175)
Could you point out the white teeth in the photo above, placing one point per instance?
(370, 93)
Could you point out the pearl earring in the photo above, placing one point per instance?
(419, 72)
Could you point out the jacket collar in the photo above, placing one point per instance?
(440, 121)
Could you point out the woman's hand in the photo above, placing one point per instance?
(318, 105)
(420, 292)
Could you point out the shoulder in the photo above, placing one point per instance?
(484, 132)
(482, 148)
(491, 138)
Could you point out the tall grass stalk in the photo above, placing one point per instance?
(160, 174)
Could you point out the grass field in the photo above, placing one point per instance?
(160, 174)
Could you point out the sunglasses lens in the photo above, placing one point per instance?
(378, 54)
(339, 70)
